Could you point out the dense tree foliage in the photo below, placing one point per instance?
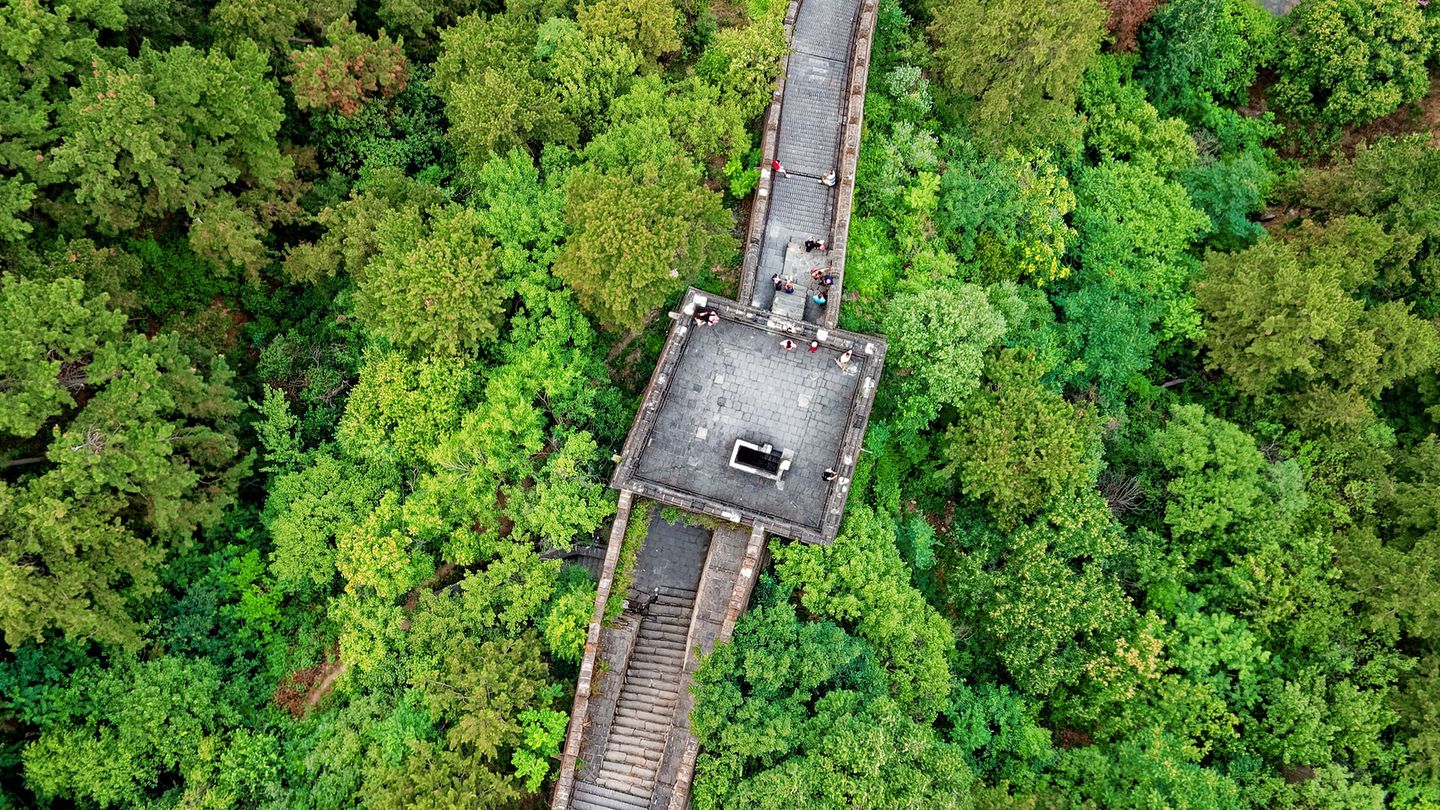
(1347, 62)
(123, 448)
(1289, 318)
(1158, 467)
(319, 321)
(1021, 69)
(297, 399)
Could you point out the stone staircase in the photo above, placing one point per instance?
(645, 710)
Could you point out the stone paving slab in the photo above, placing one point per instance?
(826, 27)
(673, 555)
(811, 115)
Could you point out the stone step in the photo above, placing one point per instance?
(661, 646)
(624, 778)
(665, 655)
(638, 710)
(655, 691)
(647, 750)
(640, 731)
(666, 633)
(664, 627)
(644, 767)
(648, 727)
(658, 666)
(677, 627)
(650, 684)
(600, 797)
(652, 678)
(676, 622)
(661, 660)
(663, 634)
(636, 734)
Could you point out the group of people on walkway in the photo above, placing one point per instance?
(823, 278)
(706, 316)
(782, 284)
(826, 179)
(843, 360)
(823, 281)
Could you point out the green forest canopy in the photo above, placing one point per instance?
(319, 321)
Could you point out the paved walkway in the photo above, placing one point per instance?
(812, 111)
(635, 708)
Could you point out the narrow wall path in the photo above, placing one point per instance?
(808, 144)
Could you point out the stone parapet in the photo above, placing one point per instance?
(565, 782)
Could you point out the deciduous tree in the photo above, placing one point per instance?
(121, 446)
(496, 96)
(938, 337)
(163, 133)
(795, 712)
(638, 237)
(433, 287)
(1017, 444)
(402, 408)
(648, 27)
(1288, 319)
(350, 68)
(1043, 600)
(1198, 51)
(128, 729)
(1019, 64)
(1126, 17)
(861, 583)
(1007, 214)
(1349, 62)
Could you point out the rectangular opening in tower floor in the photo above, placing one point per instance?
(729, 405)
